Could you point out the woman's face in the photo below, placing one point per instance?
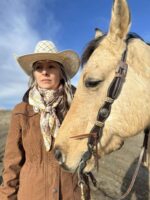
(47, 74)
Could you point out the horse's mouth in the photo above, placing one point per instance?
(65, 167)
(90, 165)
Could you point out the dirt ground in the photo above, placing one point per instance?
(115, 170)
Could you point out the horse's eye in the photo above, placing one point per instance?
(92, 82)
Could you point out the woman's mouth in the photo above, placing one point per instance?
(46, 80)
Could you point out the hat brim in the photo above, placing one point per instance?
(69, 59)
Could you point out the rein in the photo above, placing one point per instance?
(96, 132)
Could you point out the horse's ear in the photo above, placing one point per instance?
(120, 20)
(98, 33)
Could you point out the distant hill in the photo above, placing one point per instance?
(115, 170)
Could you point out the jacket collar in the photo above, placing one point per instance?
(25, 109)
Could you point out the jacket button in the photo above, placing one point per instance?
(55, 190)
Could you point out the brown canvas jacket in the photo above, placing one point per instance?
(31, 173)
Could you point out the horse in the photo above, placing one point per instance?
(130, 112)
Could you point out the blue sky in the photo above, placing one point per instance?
(69, 24)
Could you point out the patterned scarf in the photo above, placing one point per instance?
(53, 106)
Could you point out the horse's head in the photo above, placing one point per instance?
(130, 111)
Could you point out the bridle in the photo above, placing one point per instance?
(96, 132)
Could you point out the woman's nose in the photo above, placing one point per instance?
(44, 71)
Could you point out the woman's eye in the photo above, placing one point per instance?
(51, 67)
(92, 83)
(38, 67)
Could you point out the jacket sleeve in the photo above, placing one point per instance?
(13, 160)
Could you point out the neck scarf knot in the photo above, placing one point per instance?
(46, 103)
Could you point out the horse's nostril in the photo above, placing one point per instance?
(58, 155)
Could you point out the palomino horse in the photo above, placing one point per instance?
(130, 112)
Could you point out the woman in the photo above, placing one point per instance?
(30, 169)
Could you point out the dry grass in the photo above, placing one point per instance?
(4, 124)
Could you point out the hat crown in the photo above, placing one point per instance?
(45, 46)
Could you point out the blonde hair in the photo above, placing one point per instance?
(32, 80)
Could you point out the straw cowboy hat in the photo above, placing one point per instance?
(46, 50)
